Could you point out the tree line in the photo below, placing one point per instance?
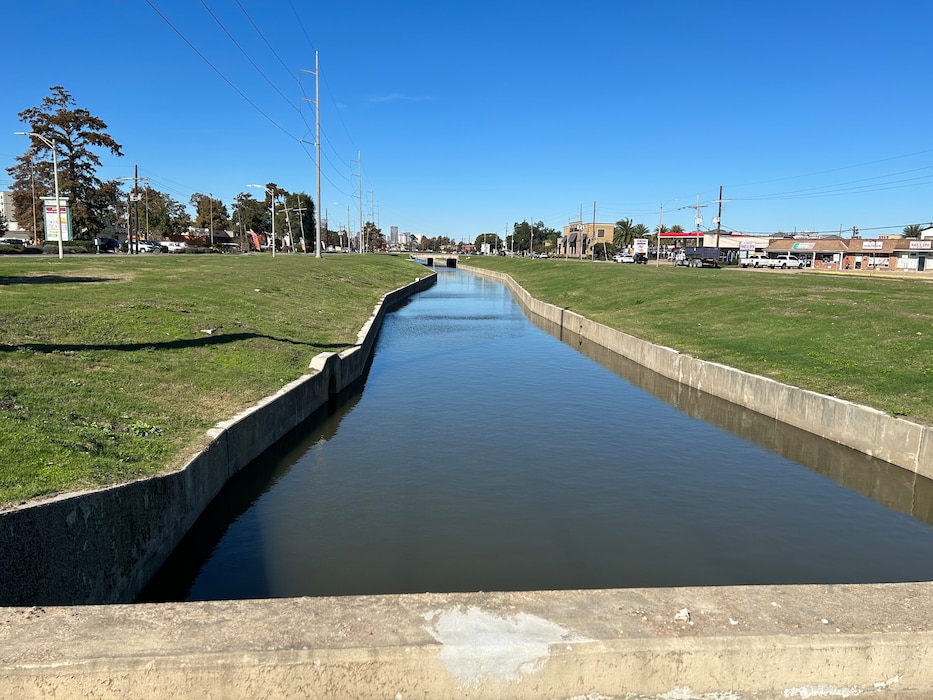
(99, 206)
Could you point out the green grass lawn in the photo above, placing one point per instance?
(862, 338)
(113, 366)
(107, 372)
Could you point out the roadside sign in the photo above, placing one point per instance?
(57, 221)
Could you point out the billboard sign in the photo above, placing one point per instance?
(57, 220)
(641, 245)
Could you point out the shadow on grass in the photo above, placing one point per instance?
(50, 279)
(167, 345)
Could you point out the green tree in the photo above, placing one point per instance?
(4, 227)
(257, 214)
(372, 237)
(78, 135)
(640, 231)
(623, 233)
(211, 213)
(250, 214)
(913, 231)
(166, 217)
(304, 222)
(520, 240)
(491, 238)
(548, 236)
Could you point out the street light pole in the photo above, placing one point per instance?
(52, 144)
(658, 245)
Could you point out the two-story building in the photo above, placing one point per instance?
(577, 237)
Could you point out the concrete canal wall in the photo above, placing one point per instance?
(104, 546)
(895, 440)
(718, 643)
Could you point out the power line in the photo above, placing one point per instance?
(247, 56)
(219, 72)
(268, 45)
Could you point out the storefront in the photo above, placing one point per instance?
(817, 253)
(913, 255)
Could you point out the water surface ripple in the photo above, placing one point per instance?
(486, 454)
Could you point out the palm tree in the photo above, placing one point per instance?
(640, 231)
(623, 233)
(912, 231)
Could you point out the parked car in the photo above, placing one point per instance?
(151, 247)
(786, 260)
(107, 245)
(14, 240)
(175, 246)
(619, 258)
(783, 261)
(641, 259)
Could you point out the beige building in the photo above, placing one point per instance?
(569, 244)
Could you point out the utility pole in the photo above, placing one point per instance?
(698, 218)
(359, 175)
(301, 226)
(719, 215)
(580, 235)
(593, 244)
(317, 149)
(372, 207)
(134, 196)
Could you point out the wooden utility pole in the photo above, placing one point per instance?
(719, 216)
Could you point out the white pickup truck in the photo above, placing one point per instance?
(783, 261)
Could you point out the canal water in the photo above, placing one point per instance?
(487, 451)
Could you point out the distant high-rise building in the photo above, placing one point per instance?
(393, 235)
(6, 211)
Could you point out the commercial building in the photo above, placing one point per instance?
(6, 211)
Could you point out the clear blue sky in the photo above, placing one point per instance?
(469, 116)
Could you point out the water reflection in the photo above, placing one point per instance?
(890, 485)
(486, 454)
(178, 579)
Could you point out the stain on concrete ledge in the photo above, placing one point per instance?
(478, 645)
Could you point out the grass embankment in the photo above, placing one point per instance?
(860, 338)
(113, 367)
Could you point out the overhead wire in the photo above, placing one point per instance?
(219, 72)
(247, 56)
(335, 169)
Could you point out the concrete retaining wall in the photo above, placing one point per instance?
(104, 546)
(902, 443)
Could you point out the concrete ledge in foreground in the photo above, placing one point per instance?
(725, 643)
